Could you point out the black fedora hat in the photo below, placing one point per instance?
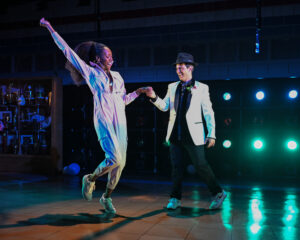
(184, 57)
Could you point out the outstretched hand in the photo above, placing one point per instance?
(150, 92)
(44, 22)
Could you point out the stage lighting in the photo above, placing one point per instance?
(227, 96)
(291, 145)
(260, 95)
(227, 144)
(293, 94)
(258, 144)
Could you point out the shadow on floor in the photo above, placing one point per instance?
(86, 218)
(63, 220)
(80, 218)
(183, 212)
(126, 220)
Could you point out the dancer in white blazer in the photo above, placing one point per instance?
(91, 62)
(187, 100)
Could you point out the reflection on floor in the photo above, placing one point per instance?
(40, 208)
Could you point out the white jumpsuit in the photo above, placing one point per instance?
(109, 113)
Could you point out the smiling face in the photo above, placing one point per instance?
(184, 72)
(105, 61)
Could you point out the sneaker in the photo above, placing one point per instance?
(107, 204)
(173, 203)
(87, 187)
(218, 200)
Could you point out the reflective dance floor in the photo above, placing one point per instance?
(36, 207)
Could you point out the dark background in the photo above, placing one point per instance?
(275, 119)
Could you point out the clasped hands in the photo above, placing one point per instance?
(147, 90)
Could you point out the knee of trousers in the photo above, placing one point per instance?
(108, 164)
(115, 158)
(203, 168)
(114, 162)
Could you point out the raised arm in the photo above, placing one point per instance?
(46, 24)
(84, 69)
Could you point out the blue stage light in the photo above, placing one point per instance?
(293, 94)
(260, 95)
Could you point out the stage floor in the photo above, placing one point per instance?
(34, 207)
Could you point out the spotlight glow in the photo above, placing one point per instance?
(292, 145)
(227, 144)
(227, 96)
(260, 95)
(293, 94)
(258, 144)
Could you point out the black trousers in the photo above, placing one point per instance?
(197, 155)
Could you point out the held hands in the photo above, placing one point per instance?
(147, 90)
(210, 142)
(150, 92)
(141, 90)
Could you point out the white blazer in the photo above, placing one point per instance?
(199, 103)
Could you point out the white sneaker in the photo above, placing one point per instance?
(107, 204)
(173, 203)
(218, 200)
(87, 187)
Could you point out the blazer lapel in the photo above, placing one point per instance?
(176, 100)
(188, 100)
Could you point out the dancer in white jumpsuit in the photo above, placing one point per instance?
(110, 99)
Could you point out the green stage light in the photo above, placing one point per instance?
(227, 144)
(227, 96)
(292, 145)
(258, 144)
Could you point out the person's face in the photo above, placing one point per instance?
(184, 73)
(106, 60)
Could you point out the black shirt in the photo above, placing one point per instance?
(180, 132)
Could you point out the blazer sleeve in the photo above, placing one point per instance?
(208, 113)
(163, 104)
